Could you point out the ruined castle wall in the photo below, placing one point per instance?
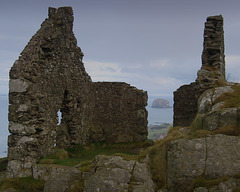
(185, 103)
(213, 57)
(211, 72)
(119, 113)
(49, 77)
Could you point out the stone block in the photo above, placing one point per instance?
(44, 172)
(17, 86)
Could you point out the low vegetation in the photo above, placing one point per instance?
(207, 183)
(22, 184)
(156, 132)
(157, 156)
(85, 154)
(231, 99)
(157, 152)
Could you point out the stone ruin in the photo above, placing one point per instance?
(49, 77)
(211, 73)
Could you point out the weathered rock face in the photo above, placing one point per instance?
(115, 174)
(207, 101)
(160, 103)
(48, 77)
(210, 157)
(109, 173)
(212, 71)
(215, 115)
(64, 181)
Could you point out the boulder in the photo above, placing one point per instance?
(212, 157)
(223, 154)
(219, 118)
(186, 161)
(215, 114)
(142, 174)
(108, 179)
(206, 101)
(63, 182)
(112, 173)
(44, 172)
(229, 185)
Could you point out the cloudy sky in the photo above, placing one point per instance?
(155, 45)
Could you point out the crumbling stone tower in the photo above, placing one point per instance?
(211, 73)
(48, 77)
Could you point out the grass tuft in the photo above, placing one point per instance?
(207, 183)
(231, 130)
(157, 156)
(23, 184)
(197, 123)
(230, 99)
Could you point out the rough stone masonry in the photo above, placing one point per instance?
(211, 73)
(48, 77)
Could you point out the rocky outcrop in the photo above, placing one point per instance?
(108, 173)
(211, 73)
(211, 157)
(215, 114)
(45, 171)
(115, 174)
(49, 77)
(160, 103)
(231, 184)
(207, 101)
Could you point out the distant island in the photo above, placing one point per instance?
(160, 103)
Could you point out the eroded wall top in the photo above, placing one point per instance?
(211, 73)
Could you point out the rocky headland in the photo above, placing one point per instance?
(160, 103)
(199, 154)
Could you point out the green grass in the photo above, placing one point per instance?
(157, 156)
(155, 131)
(85, 154)
(23, 184)
(197, 123)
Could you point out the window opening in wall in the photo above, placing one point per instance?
(55, 142)
(59, 113)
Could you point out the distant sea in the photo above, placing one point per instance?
(155, 116)
(3, 125)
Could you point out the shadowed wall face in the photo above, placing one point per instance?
(48, 77)
(211, 72)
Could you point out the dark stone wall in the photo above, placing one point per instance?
(48, 77)
(185, 103)
(213, 57)
(118, 115)
(211, 73)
